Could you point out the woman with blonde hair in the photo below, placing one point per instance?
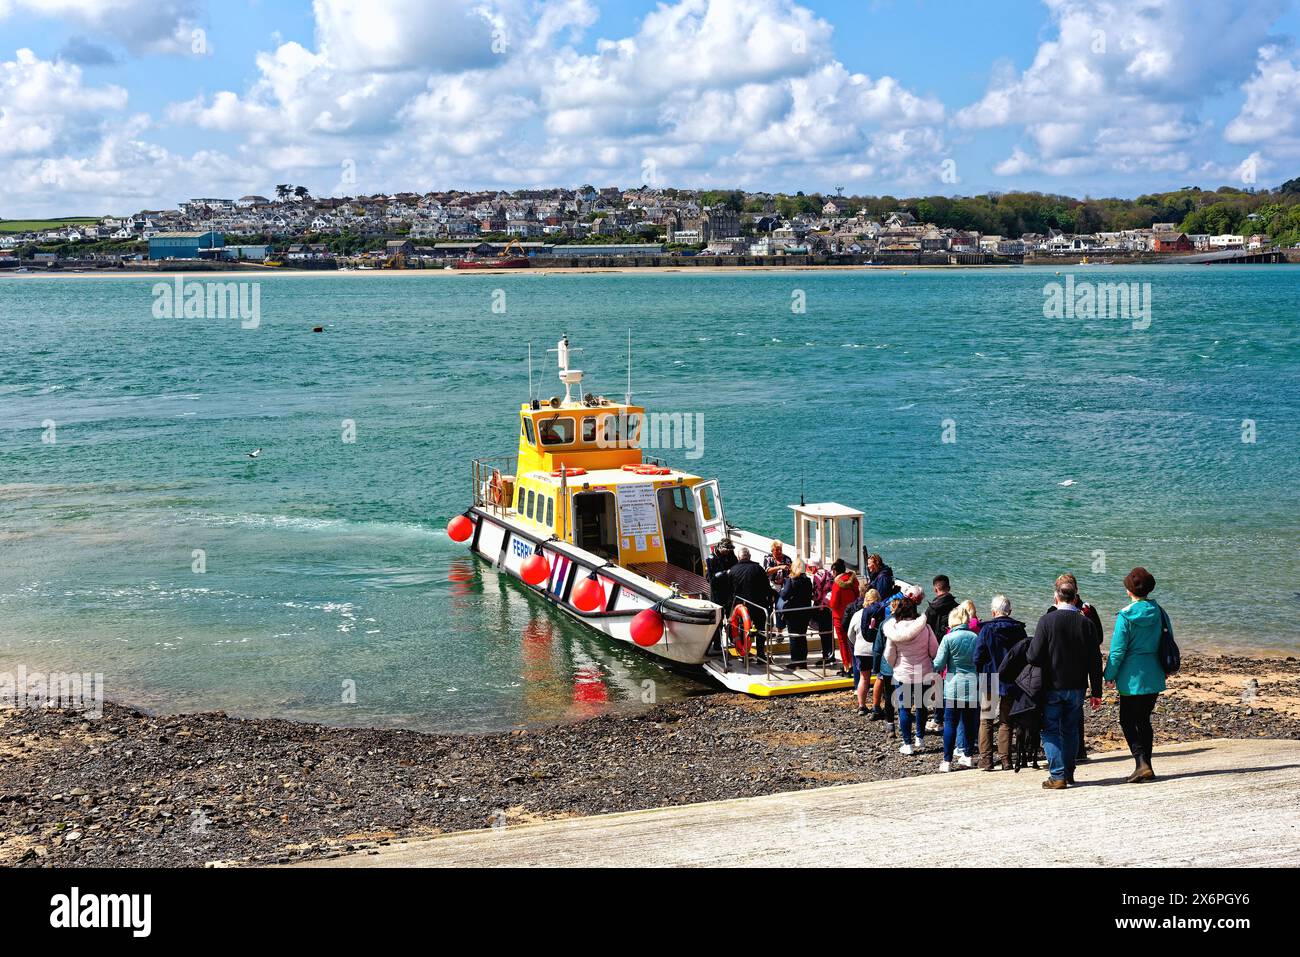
(862, 633)
(797, 594)
(961, 697)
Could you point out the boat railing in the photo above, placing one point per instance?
(771, 634)
(491, 482)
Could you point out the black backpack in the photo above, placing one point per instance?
(1171, 658)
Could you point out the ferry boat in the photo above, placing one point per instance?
(619, 541)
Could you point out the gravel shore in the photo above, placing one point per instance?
(132, 789)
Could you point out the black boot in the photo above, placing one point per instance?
(1142, 772)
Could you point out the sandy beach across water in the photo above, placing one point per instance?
(260, 272)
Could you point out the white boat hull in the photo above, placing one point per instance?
(689, 624)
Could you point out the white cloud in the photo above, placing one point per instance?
(1121, 80)
(1271, 113)
(362, 36)
(703, 90)
(68, 147)
(46, 109)
(141, 26)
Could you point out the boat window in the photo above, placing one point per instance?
(622, 431)
(589, 428)
(812, 535)
(528, 431)
(519, 505)
(531, 497)
(611, 428)
(556, 431)
(709, 502)
(846, 541)
(550, 512)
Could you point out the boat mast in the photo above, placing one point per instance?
(570, 377)
(628, 398)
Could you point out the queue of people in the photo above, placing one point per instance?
(942, 671)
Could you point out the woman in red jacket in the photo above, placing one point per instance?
(844, 591)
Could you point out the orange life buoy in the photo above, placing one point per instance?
(564, 472)
(741, 621)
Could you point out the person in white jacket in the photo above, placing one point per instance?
(910, 648)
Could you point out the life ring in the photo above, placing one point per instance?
(565, 472)
(496, 489)
(740, 620)
(647, 469)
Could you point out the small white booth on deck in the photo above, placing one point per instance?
(831, 531)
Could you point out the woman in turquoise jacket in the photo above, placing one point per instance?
(961, 697)
(1134, 667)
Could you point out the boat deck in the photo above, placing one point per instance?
(755, 678)
(688, 583)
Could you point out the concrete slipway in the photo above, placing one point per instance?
(1216, 803)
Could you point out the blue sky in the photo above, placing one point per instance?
(116, 105)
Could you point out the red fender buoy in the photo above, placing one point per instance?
(535, 569)
(648, 628)
(460, 528)
(588, 595)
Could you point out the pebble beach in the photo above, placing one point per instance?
(193, 790)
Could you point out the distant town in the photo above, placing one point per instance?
(653, 226)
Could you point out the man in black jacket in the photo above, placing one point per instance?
(936, 615)
(1068, 650)
(719, 564)
(750, 582)
(936, 612)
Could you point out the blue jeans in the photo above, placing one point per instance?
(1061, 731)
(961, 717)
(911, 711)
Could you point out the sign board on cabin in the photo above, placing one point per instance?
(638, 516)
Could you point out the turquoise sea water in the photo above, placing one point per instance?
(327, 561)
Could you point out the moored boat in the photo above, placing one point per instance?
(502, 260)
(619, 541)
(494, 262)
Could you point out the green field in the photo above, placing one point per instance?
(33, 225)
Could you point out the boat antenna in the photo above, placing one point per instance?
(530, 371)
(801, 501)
(628, 398)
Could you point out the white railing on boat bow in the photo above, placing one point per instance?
(492, 482)
(771, 634)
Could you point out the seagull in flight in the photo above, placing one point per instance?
(1066, 484)
(255, 453)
